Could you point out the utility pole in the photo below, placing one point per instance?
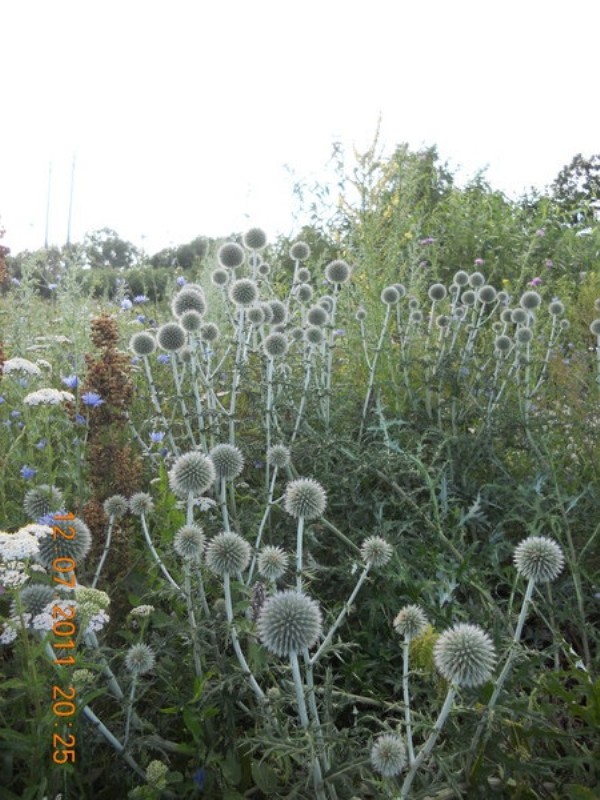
(48, 204)
(71, 202)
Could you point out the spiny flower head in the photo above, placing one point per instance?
(376, 551)
(209, 332)
(437, 292)
(190, 298)
(116, 506)
(228, 461)
(306, 498)
(171, 336)
(142, 344)
(272, 562)
(42, 500)
(538, 558)
(299, 251)
(33, 599)
(220, 277)
(337, 271)
(141, 503)
(275, 344)
(486, 294)
(313, 335)
(476, 279)
(231, 255)
(464, 655)
(256, 315)
(255, 239)
(461, 278)
(57, 546)
(192, 473)
(227, 554)
(317, 315)
(410, 622)
(191, 320)
(304, 292)
(278, 312)
(388, 755)
(188, 542)
(278, 455)
(595, 327)
(140, 658)
(390, 296)
(289, 622)
(530, 300)
(243, 292)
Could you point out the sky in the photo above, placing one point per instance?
(194, 117)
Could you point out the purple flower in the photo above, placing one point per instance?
(70, 381)
(140, 298)
(199, 778)
(52, 286)
(135, 360)
(535, 281)
(549, 263)
(15, 413)
(181, 281)
(479, 262)
(28, 472)
(1, 399)
(91, 399)
(339, 332)
(428, 240)
(540, 232)
(126, 304)
(80, 420)
(164, 452)
(141, 318)
(41, 444)
(157, 436)
(163, 358)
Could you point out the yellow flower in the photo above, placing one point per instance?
(408, 235)
(505, 281)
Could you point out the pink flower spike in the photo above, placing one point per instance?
(479, 262)
(535, 282)
(549, 263)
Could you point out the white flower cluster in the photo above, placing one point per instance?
(20, 365)
(47, 397)
(12, 574)
(22, 544)
(142, 611)
(97, 622)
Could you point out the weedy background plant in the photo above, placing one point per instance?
(337, 510)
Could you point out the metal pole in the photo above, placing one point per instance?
(48, 204)
(71, 202)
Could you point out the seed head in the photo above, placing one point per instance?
(530, 300)
(524, 335)
(464, 655)
(142, 344)
(317, 315)
(275, 345)
(278, 456)
(388, 755)
(296, 334)
(416, 316)
(326, 302)
(116, 506)
(227, 553)
(141, 503)
(361, 314)
(278, 312)
(410, 622)
(256, 315)
(191, 320)
(192, 473)
(556, 308)
(140, 659)
(228, 461)
(376, 551)
(437, 292)
(188, 542)
(503, 343)
(468, 297)
(306, 498)
(171, 336)
(243, 292)
(461, 278)
(58, 546)
(595, 327)
(487, 294)
(299, 251)
(304, 292)
(289, 622)
(303, 275)
(272, 562)
(209, 332)
(476, 280)
(255, 239)
(33, 599)
(390, 295)
(188, 299)
(231, 255)
(538, 558)
(519, 316)
(337, 271)
(42, 500)
(313, 335)
(220, 277)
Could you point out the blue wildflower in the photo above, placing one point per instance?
(157, 436)
(199, 778)
(141, 318)
(126, 304)
(140, 298)
(91, 399)
(15, 413)
(163, 358)
(1, 400)
(41, 444)
(28, 472)
(181, 281)
(52, 286)
(80, 420)
(70, 381)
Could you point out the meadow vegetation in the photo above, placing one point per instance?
(312, 517)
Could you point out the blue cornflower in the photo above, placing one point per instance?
(80, 420)
(15, 413)
(70, 381)
(157, 436)
(140, 298)
(141, 318)
(41, 444)
(163, 358)
(126, 304)
(199, 778)
(91, 399)
(28, 472)
(52, 286)
(135, 360)
(181, 281)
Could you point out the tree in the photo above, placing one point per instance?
(577, 188)
(105, 248)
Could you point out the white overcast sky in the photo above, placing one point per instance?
(183, 113)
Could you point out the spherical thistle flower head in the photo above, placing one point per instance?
(306, 498)
(42, 500)
(503, 343)
(400, 288)
(502, 297)
(256, 315)
(595, 327)
(326, 302)
(243, 292)
(337, 271)
(272, 562)
(142, 344)
(278, 455)
(255, 239)
(264, 269)
(191, 321)
(376, 551)
(227, 554)
(486, 294)
(390, 296)
(296, 334)
(461, 278)
(317, 316)
(476, 279)
(506, 315)
(530, 300)
(361, 314)
(268, 312)
(231, 255)
(220, 277)
(228, 461)
(437, 292)
(140, 659)
(189, 542)
(278, 311)
(275, 345)
(468, 297)
(171, 337)
(564, 324)
(289, 621)
(556, 308)
(141, 503)
(116, 506)
(188, 299)
(442, 321)
(538, 558)
(464, 655)
(304, 293)
(410, 622)
(33, 599)
(299, 251)
(58, 546)
(303, 275)
(518, 316)
(209, 332)
(523, 335)
(388, 755)
(192, 473)
(313, 335)
(415, 317)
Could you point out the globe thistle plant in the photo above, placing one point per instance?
(314, 335)
(337, 271)
(305, 498)
(231, 255)
(220, 277)
(140, 504)
(465, 655)
(209, 332)
(436, 292)
(388, 755)
(486, 294)
(77, 547)
(376, 551)
(289, 622)
(189, 542)
(191, 321)
(279, 456)
(42, 500)
(476, 279)
(304, 292)
(539, 559)
(171, 337)
(255, 239)
(390, 296)
(227, 554)
(33, 599)
(278, 312)
(192, 474)
(188, 299)
(272, 562)
(243, 292)
(255, 315)
(410, 622)
(116, 506)
(275, 345)
(530, 300)
(303, 275)
(299, 251)
(461, 278)
(142, 344)
(227, 460)
(317, 316)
